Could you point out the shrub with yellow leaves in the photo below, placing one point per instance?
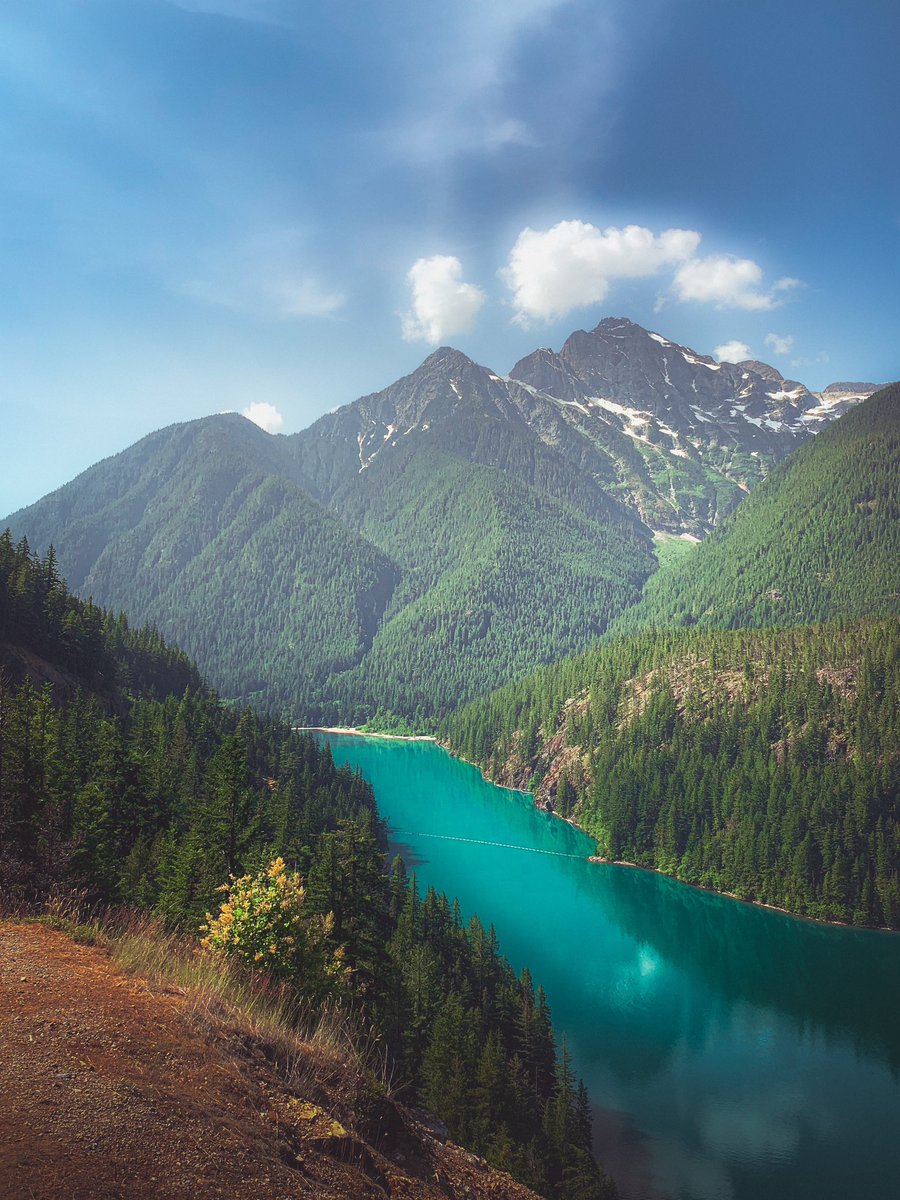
(263, 921)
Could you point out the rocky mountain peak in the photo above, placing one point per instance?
(764, 370)
(446, 358)
(646, 418)
(853, 389)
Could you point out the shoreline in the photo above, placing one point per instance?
(599, 860)
(594, 859)
(354, 732)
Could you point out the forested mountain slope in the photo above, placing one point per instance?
(204, 530)
(509, 554)
(817, 540)
(430, 541)
(764, 763)
(760, 763)
(140, 788)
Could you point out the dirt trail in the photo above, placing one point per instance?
(108, 1091)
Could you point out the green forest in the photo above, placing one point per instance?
(123, 777)
(411, 590)
(764, 763)
(819, 539)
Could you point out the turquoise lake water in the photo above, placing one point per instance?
(731, 1052)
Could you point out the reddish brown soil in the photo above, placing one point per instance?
(109, 1090)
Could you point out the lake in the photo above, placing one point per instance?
(731, 1052)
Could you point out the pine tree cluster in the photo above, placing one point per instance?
(137, 795)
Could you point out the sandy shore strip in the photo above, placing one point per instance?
(354, 732)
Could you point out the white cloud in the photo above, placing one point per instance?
(727, 282)
(778, 343)
(571, 265)
(266, 416)
(733, 352)
(442, 305)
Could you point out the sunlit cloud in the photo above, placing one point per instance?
(727, 282)
(266, 416)
(572, 264)
(442, 304)
(733, 352)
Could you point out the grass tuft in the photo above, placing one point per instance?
(314, 1049)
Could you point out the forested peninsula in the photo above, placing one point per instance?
(762, 763)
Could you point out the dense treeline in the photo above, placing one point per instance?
(474, 1043)
(763, 763)
(38, 615)
(417, 589)
(819, 539)
(481, 556)
(153, 800)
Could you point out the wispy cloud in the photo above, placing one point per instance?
(265, 275)
(264, 12)
(778, 343)
(469, 93)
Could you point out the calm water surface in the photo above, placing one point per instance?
(732, 1053)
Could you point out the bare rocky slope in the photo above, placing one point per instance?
(114, 1088)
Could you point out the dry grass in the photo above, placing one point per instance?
(312, 1048)
(328, 1051)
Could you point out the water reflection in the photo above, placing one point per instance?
(747, 953)
(732, 1052)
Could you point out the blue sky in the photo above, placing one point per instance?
(279, 206)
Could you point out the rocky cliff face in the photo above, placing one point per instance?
(666, 432)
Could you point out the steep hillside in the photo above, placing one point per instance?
(119, 1085)
(204, 530)
(160, 797)
(49, 636)
(760, 763)
(510, 555)
(819, 539)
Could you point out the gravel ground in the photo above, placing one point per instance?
(108, 1091)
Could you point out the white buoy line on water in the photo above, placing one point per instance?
(449, 837)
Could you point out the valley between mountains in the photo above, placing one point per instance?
(433, 540)
(410, 553)
(658, 592)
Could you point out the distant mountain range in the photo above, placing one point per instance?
(435, 539)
